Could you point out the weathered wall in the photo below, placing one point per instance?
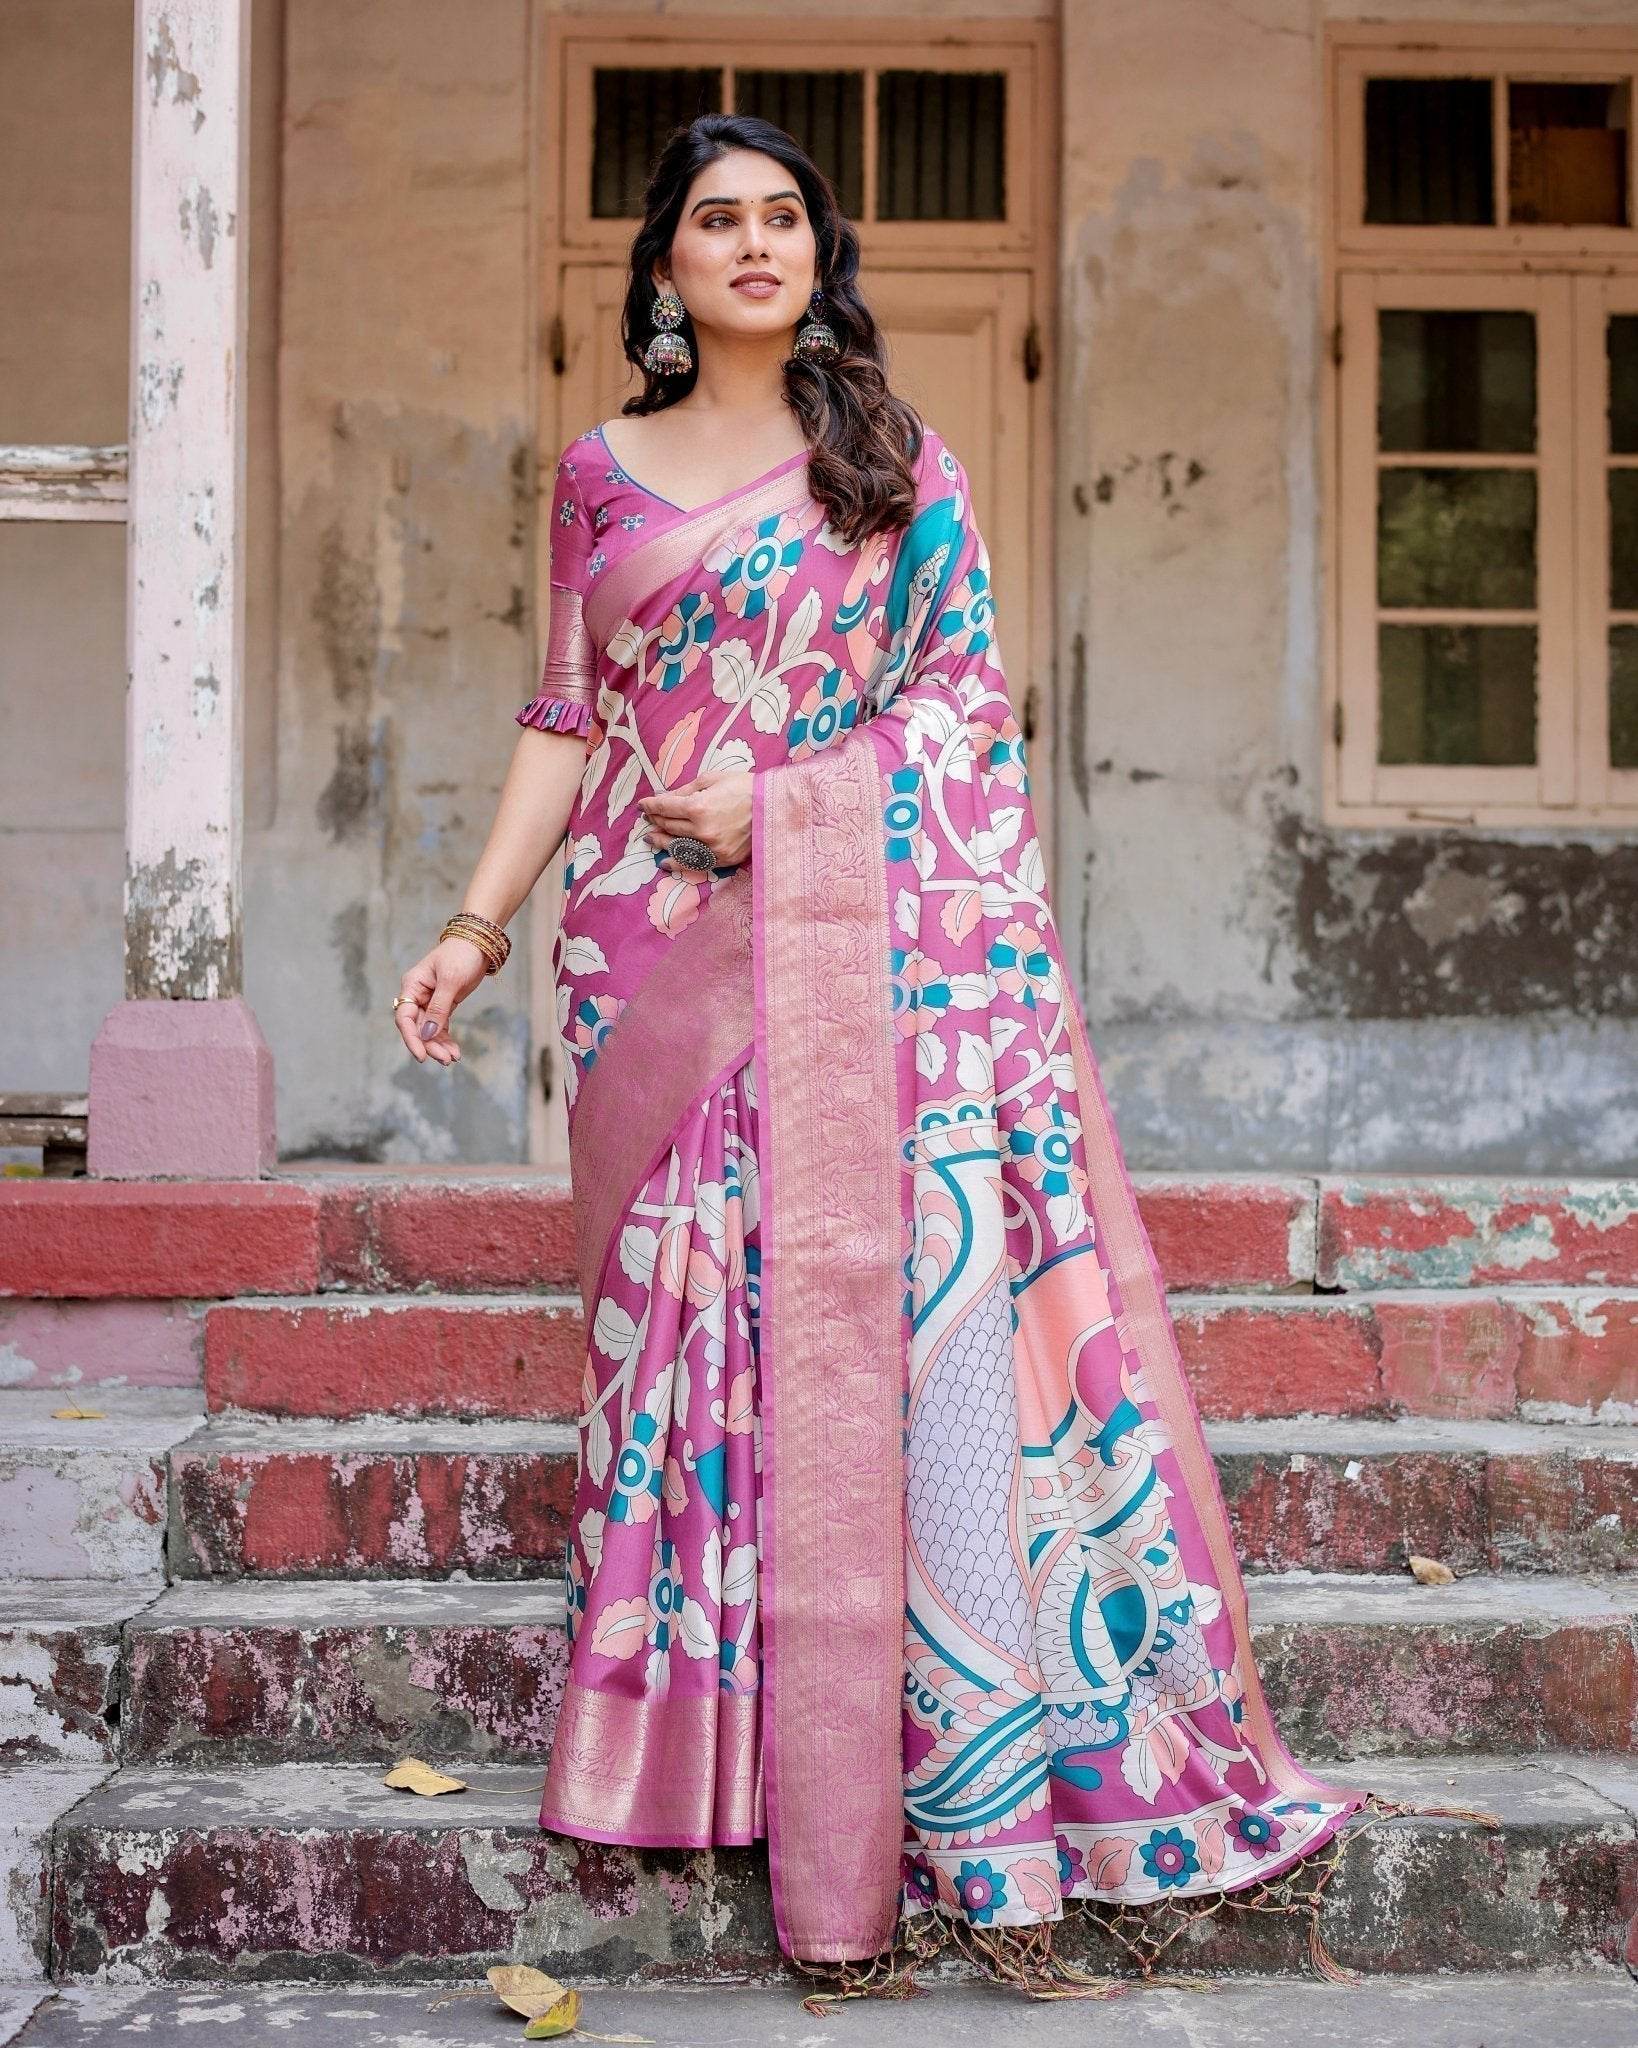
(1263, 987)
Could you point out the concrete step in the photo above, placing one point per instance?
(1324, 1495)
(61, 1681)
(385, 1498)
(1543, 1353)
(86, 1499)
(1589, 2009)
(1382, 1230)
(318, 1872)
(33, 1797)
(267, 1672)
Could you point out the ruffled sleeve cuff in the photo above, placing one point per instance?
(549, 713)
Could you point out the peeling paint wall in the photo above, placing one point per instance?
(1262, 988)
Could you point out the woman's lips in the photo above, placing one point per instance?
(757, 287)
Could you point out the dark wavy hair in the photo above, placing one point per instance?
(863, 440)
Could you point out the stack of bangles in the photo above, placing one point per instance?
(489, 939)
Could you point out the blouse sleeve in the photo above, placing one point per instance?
(567, 695)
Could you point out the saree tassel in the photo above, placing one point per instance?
(1399, 1809)
(1026, 1958)
(891, 1974)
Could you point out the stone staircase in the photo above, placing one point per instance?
(320, 1524)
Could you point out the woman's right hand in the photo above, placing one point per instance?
(433, 986)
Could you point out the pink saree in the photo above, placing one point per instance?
(896, 1539)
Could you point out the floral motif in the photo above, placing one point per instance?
(903, 813)
(921, 992)
(1170, 1858)
(684, 636)
(1071, 1865)
(966, 625)
(598, 561)
(1023, 966)
(826, 713)
(594, 1019)
(638, 1473)
(1256, 1832)
(754, 578)
(665, 1595)
(981, 1888)
(920, 1878)
(1042, 1142)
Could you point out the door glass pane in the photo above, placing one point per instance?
(824, 110)
(634, 110)
(941, 145)
(1457, 696)
(1457, 383)
(1461, 537)
(1622, 341)
(1624, 540)
(1624, 697)
(1428, 152)
(1567, 154)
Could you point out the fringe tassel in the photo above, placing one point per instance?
(1026, 1958)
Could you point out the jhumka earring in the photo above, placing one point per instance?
(668, 354)
(815, 342)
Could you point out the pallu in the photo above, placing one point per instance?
(895, 1537)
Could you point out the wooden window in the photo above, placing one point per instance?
(1484, 401)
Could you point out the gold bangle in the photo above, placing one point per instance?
(479, 935)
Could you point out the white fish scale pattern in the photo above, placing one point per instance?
(963, 1449)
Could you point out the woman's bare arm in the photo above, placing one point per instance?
(530, 821)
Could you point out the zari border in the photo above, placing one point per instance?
(831, 1354)
(1130, 1257)
(655, 562)
(634, 1770)
(687, 1029)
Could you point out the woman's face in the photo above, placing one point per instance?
(743, 222)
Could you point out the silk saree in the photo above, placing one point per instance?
(895, 1537)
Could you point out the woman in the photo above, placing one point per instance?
(895, 1538)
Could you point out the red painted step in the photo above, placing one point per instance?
(1392, 1232)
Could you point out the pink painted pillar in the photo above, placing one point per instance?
(181, 1078)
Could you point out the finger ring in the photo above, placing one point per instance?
(402, 1000)
(693, 854)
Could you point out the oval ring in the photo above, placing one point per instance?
(693, 854)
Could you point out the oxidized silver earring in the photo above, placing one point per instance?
(668, 354)
(815, 342)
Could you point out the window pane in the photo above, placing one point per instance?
(634, 111)
(1624, 540)
(824, 110)
(1624, 697)
(1462, 537)
(1428, 154)
(1458, 383)
(1623, 349)
(1458, 696)
(1567, 154)
(941, 145)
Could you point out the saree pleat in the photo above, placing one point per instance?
(896, 1537)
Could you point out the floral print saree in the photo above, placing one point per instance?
(895, 1537)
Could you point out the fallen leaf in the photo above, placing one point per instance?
(530, 1992)
(78, 1415)
(560, 2020)
(414, 1776)
(1428, 1571)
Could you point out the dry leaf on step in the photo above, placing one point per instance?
(78, 1415)
(414, 1776)
(1428, 1571)
(530, 1992)
(560, 2020)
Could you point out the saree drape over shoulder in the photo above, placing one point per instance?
(895, 1538)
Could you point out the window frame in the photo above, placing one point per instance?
(1571, 278)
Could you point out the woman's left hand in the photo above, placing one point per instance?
(715, 808)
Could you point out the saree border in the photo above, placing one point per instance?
(686, 1031)
(831, 1358)
(1136, 1271)
(653, 564)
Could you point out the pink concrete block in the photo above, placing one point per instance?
(1230, 1234)
(460, 1235)
(181, 1089)
(466, 1358)
(89, 1343)
(157, 1239)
